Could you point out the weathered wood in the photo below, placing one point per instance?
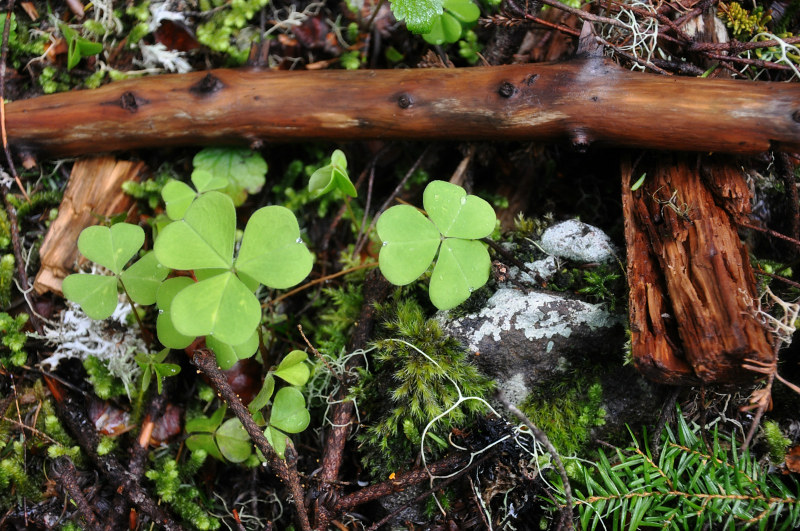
(683, 249)
(94, 191)
(585, 101)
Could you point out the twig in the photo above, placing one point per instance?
(404, 481)
(359, 245)
(204, 360)
(778, 277)
(428, 492)
(67, 477)
(771, 232)
(276, 300)
(566, 517)
(71, 412)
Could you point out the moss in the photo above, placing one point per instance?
(225, 30)
(105, 384)
(405, 390)
(777, 443)
(567, 410)
(12, 351)
(743, 23)
(174, 485)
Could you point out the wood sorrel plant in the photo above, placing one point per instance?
(454, 223)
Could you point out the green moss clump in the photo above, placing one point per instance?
(174, 485)
(104, 383)
(742, 22)
(405, 390)
(777, 443)
(224, 31)
(567, 411)
(13, 351)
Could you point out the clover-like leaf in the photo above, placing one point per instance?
(221, 306)
(462, 267)
(456, 214)
(272, 251)
(410, 241)
(206, 424)
(167, 334)
(277, 439)
(203, 239)
(293, 368)
(204, 441)
(289, 411)
(446, 29)
(418, 14)
(233, 441)
(177, 196)
(334, 175)
(143, 278)
(263, 396)
(205, 181)
(96, 294)
(111, 247)
(242, 169)
(227, 355)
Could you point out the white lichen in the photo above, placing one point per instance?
(579, 242)
(113, 341)
(536, 315)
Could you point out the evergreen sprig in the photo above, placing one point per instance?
(686, 487)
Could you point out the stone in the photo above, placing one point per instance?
(579, 242)
(522, 339)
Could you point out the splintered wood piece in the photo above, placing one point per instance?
(704, 269)
(585, 100)
(94, 191)
(654, 340)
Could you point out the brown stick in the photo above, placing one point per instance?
(205, 361)
(585, 100)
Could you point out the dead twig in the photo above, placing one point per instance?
(64, 470)
(204, 360)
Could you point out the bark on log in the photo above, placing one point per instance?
(94, 191)
(585, 101)
(689, 272)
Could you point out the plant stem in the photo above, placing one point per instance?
(307, 285)
(204, 360)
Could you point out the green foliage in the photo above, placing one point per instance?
(454, 223)
(599, 285)
(149, 191)
(5, 229)
(223, 31)
(175, 487)
(743, 23)
(77, 46)
(688, 486)
(419, 15)
(241, 170)
(777, 443)
(222, 304)
(469, 47)
(288, 414)
(567, 411)
(21, 42)
(449, 26)
(37, 201)
(153, 366)
(16, 484)
(7, 270)
(404, 390)
(333, 176)
(13, 339)
(105, 384)
(113, 247)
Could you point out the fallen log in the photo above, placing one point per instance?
(585, 100)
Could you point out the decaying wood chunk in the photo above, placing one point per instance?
(94, 191)
(693, 297)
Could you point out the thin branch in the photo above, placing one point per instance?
(205, 361)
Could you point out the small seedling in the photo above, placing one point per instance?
(332, 177)
(77, 46)
(153, 366)
(411, 241)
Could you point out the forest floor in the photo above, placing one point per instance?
(395, 416)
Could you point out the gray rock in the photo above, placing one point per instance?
(579, 242)
(521, 339)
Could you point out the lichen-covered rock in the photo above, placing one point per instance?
(521, 339)
(579, 242)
